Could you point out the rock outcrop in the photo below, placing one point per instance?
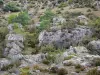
(94, 47)
(81, 57)
(64, 38)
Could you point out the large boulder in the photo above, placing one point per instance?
(94, 47)
(64, 38)
(4, 62)
(30, 60)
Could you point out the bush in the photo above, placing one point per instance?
(79, 68)
(22, 18)
(44, 24)
(89, 10)
(69, 57)
(47, 48)
(50, 58)
(62, 4)
(1, 2)
(46, 19)
(96, 62)
(70, 24)
(45, 61)
(25, 71)
(93, 71)
(62, 71)
(31, 41)
(95, 24)
(48, 15)
(11, 6)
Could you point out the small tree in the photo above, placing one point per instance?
(46, 19)
(22, 18)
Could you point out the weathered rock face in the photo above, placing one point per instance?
(30, 60)
(83, 19)
(82, 57)
(64, 38)
(58, 20)
(14, 44)
(97, 4)
(94, 47)
(4, 62)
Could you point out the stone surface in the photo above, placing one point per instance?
(64, 38)
(4, 62)
(94, 47)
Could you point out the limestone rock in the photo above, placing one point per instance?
(64, 38)
(94, 47)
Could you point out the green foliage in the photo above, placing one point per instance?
(11, 6)
(70, 1)
(31, 42)
(95, 24)
(1, 2)
(79, 68)
(47, 48)
(46, 19)
(70, 24)
(3, 33)
(5, 68)
(12, 18)
(96, 62)
(69, 57)
(62, 71)
(50, 58)
(22, 18)
(62, 4)
(93, 71)
(45, 61)
(48, 15)
(44, 24)
(25, 71)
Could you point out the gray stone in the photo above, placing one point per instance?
(94, 47)
(4, 62)
(64, 38)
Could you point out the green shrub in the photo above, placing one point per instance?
(25, 71)
(89, 10)
(95, 24)
(48, 15)
(69, 57)
(22, 18)
(1, 2)
(93, 71)
(3, 33)
(96, 62)
(50, 58)
(79, 68)
(70, 1)
(11, 6)
(62, 4)
(62, 71)
(47, 48)
(5, 68)
(70, 24)
(46, 19)
(44, 24)
(45, 61)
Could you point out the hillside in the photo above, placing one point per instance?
(49, 37)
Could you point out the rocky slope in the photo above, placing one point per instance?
(49, 37)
